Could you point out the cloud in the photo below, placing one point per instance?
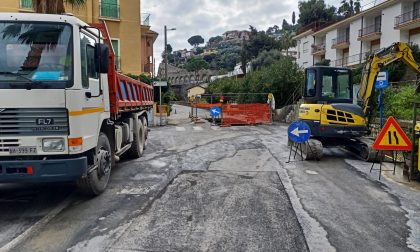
(210, 18)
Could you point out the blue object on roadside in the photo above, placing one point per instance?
(215, 111)
(299, 132)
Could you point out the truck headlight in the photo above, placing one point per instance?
(53, 144)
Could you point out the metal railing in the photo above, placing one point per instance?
(354, 59)
(26, 4)
(109, 10)
(145, 19)
(340, 40)
(318, 48)
(118, 62)
(407, 17)
(376, 28)
(372, 4)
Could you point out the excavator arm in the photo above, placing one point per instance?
(397, 51)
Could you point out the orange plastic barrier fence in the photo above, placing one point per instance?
(241, 114)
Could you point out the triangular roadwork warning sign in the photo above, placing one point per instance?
(392, 137)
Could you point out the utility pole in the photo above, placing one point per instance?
(166, 71)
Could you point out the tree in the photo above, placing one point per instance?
(196, 40)
(293, 18)
(266, 58)
(315, 11)
(287, 41)
(273, 30)
(169, 48)
(215, 40)
(54, 6)
(285, 26)
(199, 50)
(349, 7)
(196, 64)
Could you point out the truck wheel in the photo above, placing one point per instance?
(96, 181)
(137, 147)
(146, 131)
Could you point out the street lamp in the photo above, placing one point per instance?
(166, 51)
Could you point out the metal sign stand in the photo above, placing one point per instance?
(298, 146)
(299, 133)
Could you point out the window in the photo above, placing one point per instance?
(336, 84)
(110, 8)
(305, 47)
(116, 46)
(88, 61)
(26, 4)
(310, 90)
(44, 58)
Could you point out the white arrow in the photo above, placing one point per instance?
(215, 111)
(297, 132)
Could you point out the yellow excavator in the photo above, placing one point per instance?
(328, 103)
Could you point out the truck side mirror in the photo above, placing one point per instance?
(101, 55)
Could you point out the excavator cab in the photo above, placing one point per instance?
(328, 85)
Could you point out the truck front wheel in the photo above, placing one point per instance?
(96, 181)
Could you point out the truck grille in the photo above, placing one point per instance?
(5, 144)
(33, 122)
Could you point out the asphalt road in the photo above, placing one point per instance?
(204, 188)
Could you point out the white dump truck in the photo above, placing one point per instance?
(66, 114)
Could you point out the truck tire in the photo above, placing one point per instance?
(96, 181)
(146, 131)
(137, 147)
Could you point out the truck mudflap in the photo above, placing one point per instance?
(57, 170)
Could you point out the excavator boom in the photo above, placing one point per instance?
(397, 51)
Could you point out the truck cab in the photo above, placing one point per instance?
(55, 102)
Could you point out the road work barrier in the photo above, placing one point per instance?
(238, 109)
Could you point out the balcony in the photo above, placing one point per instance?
(318, 50)
(408, 20)
(145, 19)
(349, 60)
(370, 33)
(109, 10)
(341, 42)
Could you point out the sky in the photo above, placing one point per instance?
(210, 18)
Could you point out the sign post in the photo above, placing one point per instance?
(299, 132)
(391, 138)
(381, 84)
(160, 84)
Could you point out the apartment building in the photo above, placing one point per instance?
(124, 20)
(349, 41)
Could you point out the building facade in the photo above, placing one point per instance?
(148, 38)
(123, 18)
(349, 41)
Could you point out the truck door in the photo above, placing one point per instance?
(94, 100)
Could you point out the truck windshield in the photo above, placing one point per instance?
(336, 84)
(35, 55)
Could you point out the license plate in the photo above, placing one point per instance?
(22, 150)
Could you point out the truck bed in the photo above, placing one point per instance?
(126, 94)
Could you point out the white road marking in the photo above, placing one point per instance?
(38, 225)
(180, 128)
(215, 128)
(311, 172)
(198, 128)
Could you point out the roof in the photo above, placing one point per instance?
(335, 25)
(196, 86)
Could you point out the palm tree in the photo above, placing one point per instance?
(287, 41)
(54, 6)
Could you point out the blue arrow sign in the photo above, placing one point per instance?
(299, 132)
(215, 111)
(382, 80)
